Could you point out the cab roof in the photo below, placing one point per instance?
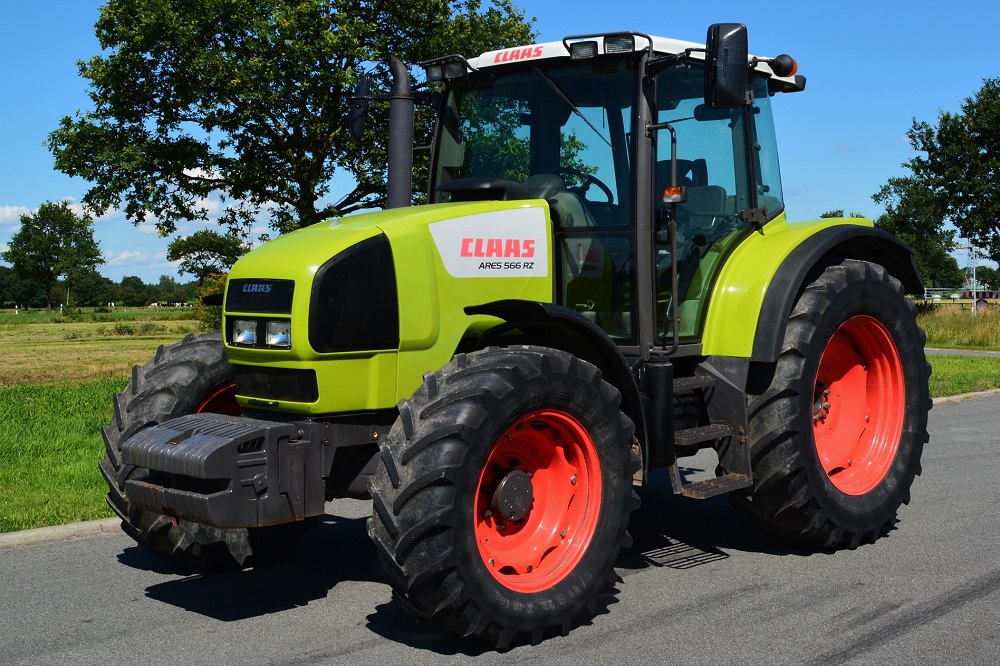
(641, 42)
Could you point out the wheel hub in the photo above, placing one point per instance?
(513, 497)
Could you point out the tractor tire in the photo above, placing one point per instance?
(188, 377)
(837, 431)
(503, 494)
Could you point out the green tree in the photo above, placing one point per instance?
(53, 242)
(249, 100)
(8, 296)
(167, 290)
(91, 288)
(205, 252)
(958, 165)
(133, 291)
(915, 214)
(839, 213)
(987, 277)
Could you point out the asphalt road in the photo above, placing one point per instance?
(699, 587)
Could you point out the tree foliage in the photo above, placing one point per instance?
(839, 212)
(133, 291)
(916, 214)
(205, 253)
(53, 242)
(249, 100)
(958, 165)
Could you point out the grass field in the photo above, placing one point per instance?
(953, 328)
(58, 375)
(45, 348)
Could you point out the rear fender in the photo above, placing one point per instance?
(761, 280)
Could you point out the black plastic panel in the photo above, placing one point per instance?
(276, 383)
(354, 304)
(264, 296)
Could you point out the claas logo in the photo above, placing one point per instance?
(498, 247)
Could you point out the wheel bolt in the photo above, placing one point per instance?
(826, 405)
(562, 534)
(572, 479)
(502, 526)
(488, 514)
(826, 392)
(530, 568)
(492, 562)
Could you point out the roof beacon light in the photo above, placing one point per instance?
(783, 65)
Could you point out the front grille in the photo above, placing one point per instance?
(287, 384)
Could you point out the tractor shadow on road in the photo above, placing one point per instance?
(667, 531)
(337, 550)
(681, 533)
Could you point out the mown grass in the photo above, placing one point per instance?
(58, 376)
(47, 348)
(955, 375)
(49, 451)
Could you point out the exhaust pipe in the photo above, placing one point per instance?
(400, 185)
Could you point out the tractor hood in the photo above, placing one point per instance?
(383, 284)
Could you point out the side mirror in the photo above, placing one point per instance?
(726, 65)
(359, 107)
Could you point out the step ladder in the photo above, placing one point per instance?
(737, 456)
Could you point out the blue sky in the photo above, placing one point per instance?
(871, 67)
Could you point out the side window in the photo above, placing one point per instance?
(768, 174)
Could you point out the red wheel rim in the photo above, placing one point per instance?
(858, 405)
(221, 401)
(538, 501)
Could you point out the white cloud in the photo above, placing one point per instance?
(12, 214)
(198, 172)
(125, 257)
(844, 148)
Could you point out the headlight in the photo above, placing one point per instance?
(245, 332)
(279, 334)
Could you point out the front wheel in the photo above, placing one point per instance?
(836, 436)
(503, 494)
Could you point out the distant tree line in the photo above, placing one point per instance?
(91, 289)
(53, 261)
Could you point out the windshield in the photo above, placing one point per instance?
(563, 131)
(548, 127)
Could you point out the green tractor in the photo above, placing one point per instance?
(603, 283)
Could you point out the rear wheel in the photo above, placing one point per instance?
(188, 377)
(504, 492)
(836, 437)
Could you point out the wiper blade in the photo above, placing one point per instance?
(555, 87)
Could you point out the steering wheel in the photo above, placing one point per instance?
(588, 180)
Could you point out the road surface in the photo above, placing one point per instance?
(698, 587)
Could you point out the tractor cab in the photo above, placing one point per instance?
(649, 182)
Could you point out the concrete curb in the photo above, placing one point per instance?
(59, 533)
(90, 528)
(967, 396)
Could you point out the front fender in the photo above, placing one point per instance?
(562, 328)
